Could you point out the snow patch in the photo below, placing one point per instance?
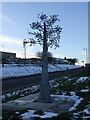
(30, 114)
(85, 90)
(14, 71)
(82, 79)
(76, 104)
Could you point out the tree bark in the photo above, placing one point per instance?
(45, 85)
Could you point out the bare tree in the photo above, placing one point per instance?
(47, 34)
(71, 60)
(49, 55)
(40, 54)
(75, 60)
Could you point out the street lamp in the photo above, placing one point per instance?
(85, 53)
(83, 63)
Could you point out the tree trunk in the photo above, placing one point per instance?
(45, 86)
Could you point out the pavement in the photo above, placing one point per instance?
(27, 102)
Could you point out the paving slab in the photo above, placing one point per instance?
(28, 103)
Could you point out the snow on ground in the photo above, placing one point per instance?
(85, 90)
(82, 79)
(65, 97)
(85, 111)
(72, 97)
(76, 104)
(20, 71)
(14, 71)
(31, 114)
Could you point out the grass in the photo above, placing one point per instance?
(10, 115)
(70, 85)
(84, 73)
(14, 95)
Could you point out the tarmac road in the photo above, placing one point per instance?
(14, 83)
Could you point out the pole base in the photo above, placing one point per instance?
(50, 100)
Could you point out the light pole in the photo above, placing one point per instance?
(85, 53)
(24, 45)
(83, 63)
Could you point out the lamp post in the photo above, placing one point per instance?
(85, 53)
(83, 63)
(24, 43)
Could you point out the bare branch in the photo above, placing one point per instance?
(53, 31)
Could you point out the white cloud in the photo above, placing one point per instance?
(10, 40)
(9, 21)
(11, 44)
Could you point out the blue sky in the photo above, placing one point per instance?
(17, 16)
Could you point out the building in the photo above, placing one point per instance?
(59, 61)
(7, 55)
(4, 56)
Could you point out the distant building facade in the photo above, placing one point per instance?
(10, 58)
(4, 56)
(59, 61)
(7, 55)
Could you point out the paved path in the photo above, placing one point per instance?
(14, 83)
(27, 103)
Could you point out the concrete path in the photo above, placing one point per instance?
(27, 103)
